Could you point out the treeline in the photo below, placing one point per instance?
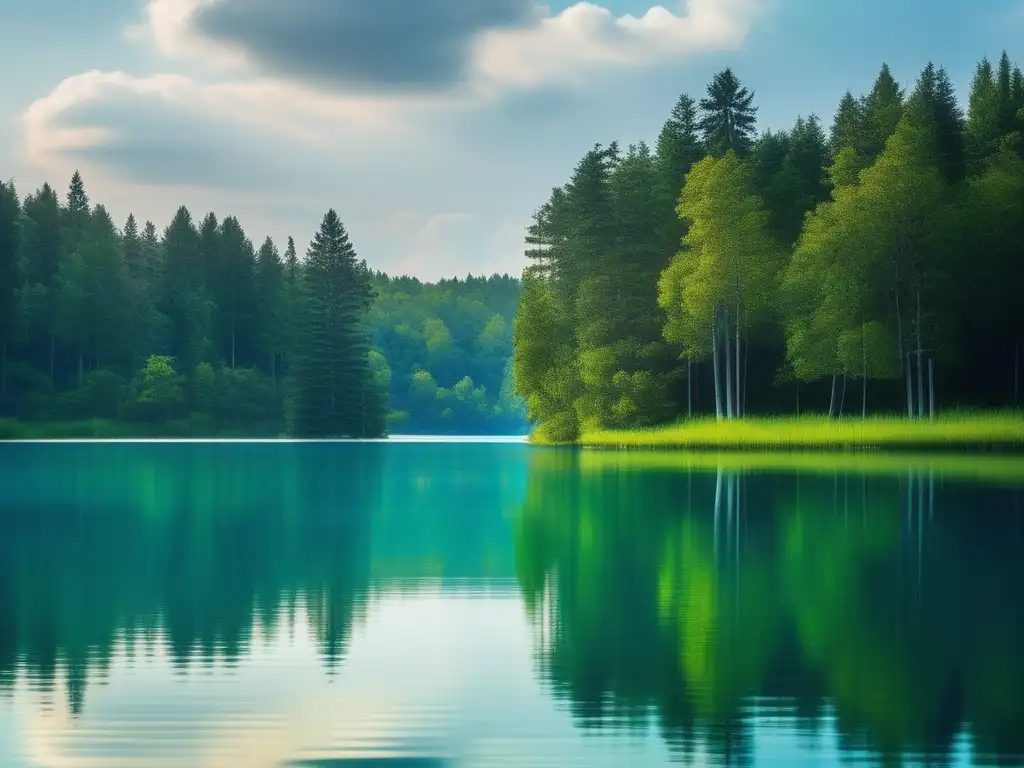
(449, 348)
(196, 331)
(728, 272)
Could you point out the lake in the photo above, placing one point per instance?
(482, 603)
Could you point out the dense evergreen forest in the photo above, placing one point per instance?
(196, 331)
(875, 268)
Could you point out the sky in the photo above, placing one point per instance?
(433, 127)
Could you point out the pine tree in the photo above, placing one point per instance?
(76, 212)
(139, 265)
(131, 247)
(209, 258)
(729, 117)
(183, 299)
(847, 126)
(270, 304)
(883, 108)
(42, 249)
(935, 96)
(335, 393)
(10, 245)
(232, 285)
(292, 305)
(983, 117)
(766, 162)
(291, 260)
(679, 147)
(1004, 93)
(152, 258)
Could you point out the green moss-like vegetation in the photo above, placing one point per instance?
(955, 430)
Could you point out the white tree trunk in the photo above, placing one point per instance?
(739, 401)
(832, 399)
(910, 389)
(920, 368)
(746, 370)
(931, 388)
(714, 365)
(689, 388)
(728, 371)
(864, 373)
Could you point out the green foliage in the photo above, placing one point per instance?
(157, 389)
(87, 306)
(728, 255)
(335, 388)
(784, 264)
(446, 332)
(729, 115)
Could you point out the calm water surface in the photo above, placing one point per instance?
(486, 604)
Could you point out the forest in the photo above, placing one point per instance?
(871, 268)
(196, 331)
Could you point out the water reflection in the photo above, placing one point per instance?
(117, 547)
(880, 613)
(488, 604)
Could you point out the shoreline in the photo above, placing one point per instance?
(976, 433)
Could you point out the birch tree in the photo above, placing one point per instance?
(721, 285)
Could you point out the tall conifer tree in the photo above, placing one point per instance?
(335, 393)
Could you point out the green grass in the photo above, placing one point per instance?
(1004, 429)
(994, 468)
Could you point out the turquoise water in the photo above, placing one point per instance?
(472, 603)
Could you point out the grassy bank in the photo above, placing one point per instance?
(1003, 430)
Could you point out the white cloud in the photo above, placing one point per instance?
(571, 45)
(565, 47)
(265, 105)
(211, 138)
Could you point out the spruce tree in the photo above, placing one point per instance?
(983, 117)
(42, 249)
(291, 305)
(232, 286)
(679, 148)
(76, 212)
(270, 304)
(729, 116)
(847, 126)
(934, 94)
(182, 297)
(883, 108)
(10, 233)
(209, 256)
(335, 394)
(1004, 91)
(131, 247)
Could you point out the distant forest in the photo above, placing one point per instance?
(196, 331)
(878, 267)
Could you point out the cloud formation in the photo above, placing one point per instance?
(357, 45)
(429, 46)
(379, 108)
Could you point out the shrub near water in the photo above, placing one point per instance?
(998, 429)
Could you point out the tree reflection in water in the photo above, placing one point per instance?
(885, 606)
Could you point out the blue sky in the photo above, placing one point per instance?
(434, 127)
